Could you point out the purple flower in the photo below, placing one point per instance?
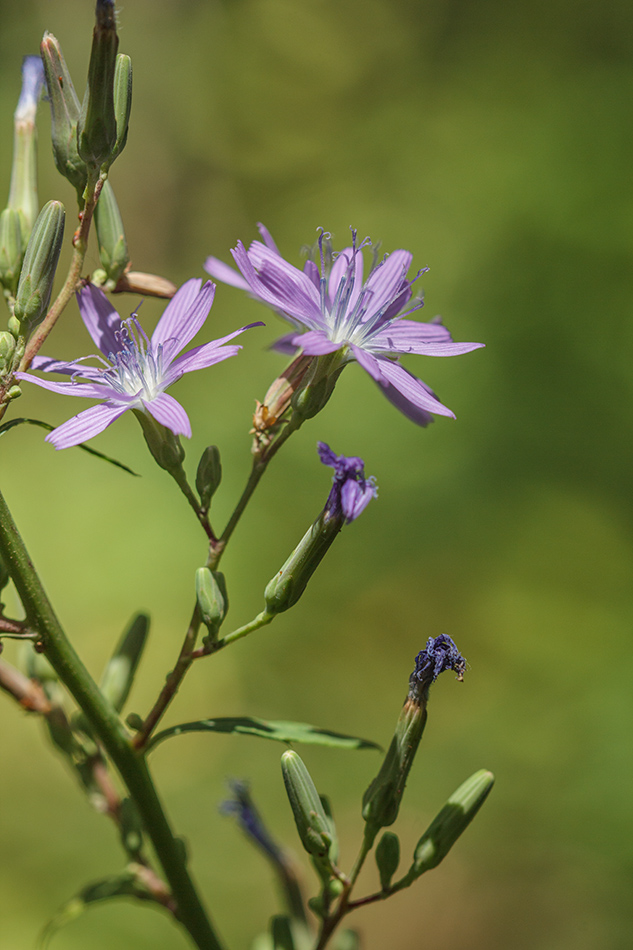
(351, 492)
(243, 808)
(135, 371)
(32, 84)
(334, 310)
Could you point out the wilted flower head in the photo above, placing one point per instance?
(439, 654)
(135, 371)
(334, 310)
(351, 492)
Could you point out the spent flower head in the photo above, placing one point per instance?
(134, 370)
(351, 491)
(333, 309)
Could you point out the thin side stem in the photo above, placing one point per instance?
(109, 729)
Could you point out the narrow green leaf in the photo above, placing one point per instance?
(85, 448)
(121, 669)
(120, 885)
(279, 731)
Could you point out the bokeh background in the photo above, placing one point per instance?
(492, 139)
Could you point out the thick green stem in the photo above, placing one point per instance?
(109, 728)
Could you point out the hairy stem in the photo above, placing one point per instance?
(109, 729)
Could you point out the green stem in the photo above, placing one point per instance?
(260, 621)
(109, 728)
(330, 924)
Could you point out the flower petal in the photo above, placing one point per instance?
(408, 339)
(413, 389)
(221, 271)
(355, 497)
(100, 318)
(286, 344)
(168, 411)
(206, 355)
(89, 390)
(183, 316)
(316, 343)
(353, 276)
(386, 281)
(279, 284)
(85, 425)
(267, 238)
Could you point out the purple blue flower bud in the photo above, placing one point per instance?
(381, 801)
(333, 310)
(23, 188)
(350, 494)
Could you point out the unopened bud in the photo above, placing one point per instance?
(7, 349)
(119, 673)
(113, 250)
(11, 249)
(387, 858)
(162, 443)
(122, 101)
(65, 108)
(212, 599)
(40, 263)
(317, 387)
(96, 127)
(314, 827)
(23, 188)
(150, 285)
(451, 822)
(286, 587)
(209, 475)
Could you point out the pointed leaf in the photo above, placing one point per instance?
(49, 428)
(278, 730)
(119, 674)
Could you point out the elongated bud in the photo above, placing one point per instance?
(119, 674)
(11, 249)
(209, 475)
(381, 801)
(23, 188)
(122, 101)
(7, 349)
(212, 599)
(113, 251)
(451, 822)
(40, 263)
(387, 858)
(65, 109)
(286, 587)
(96, 127)
(315, 828)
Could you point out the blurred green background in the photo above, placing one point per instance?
(493, 140)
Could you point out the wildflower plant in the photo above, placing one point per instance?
(338, 315)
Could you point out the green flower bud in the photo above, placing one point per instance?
(96, 126)
(315, 829)
(113, 250)
(65, 109)
(212, 599)
(11, 249)
(387, 858)
(209, 475)
(314, 392)
(119, 673)
(288, 584)
(162, 443)
(451, 822)
(7, 349)
(40, 263)
(122, 101)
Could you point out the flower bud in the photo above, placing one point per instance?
(451, 822)
(7, 349)
(387, 858)
(65, 109)
(381, 801)
(11, 249)
(23, 188)
(212, 599)
(119, 673)
(317, 387)
(96, 126)
(287, 586)
(122, 101)
(113, 250)
(209, 475)
(315, 828)
(162, 443)
(150, 285)
(40, 263)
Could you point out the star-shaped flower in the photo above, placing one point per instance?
(135, 371)
(335, 309)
